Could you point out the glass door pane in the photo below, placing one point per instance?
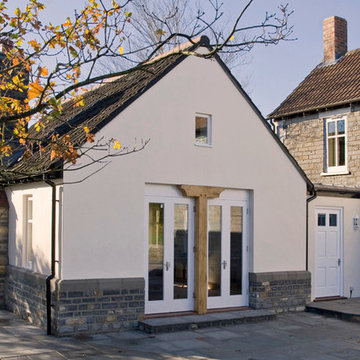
(236, 218)
(214, 251)
(181, 212)
(156, 252)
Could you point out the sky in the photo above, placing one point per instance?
(269, 73)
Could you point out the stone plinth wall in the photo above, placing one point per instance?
(97, 305)
(281, 291)
(25, 295)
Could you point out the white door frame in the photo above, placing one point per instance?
(340, 212)
(169, 304)
(227, 300)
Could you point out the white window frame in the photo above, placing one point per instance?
(208, 128)
(342, 169)
(28, 240)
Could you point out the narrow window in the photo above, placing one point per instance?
(28, 227)
(336, 144)
(202, 129)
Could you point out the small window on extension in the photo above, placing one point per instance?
(202, 129)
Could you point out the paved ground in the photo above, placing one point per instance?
(293, 336)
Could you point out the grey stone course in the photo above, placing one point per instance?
(280, 291)
(97, 305)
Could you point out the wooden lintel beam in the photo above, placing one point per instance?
(197, 191)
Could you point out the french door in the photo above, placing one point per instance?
(227, 253)
(170, 259)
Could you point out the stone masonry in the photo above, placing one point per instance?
(26, 295)
(305, 139)
(280, 291)
(78, 306)
(97, 305)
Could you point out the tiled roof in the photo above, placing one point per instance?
(328, 85)
(102, 104)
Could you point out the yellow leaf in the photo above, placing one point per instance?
(121, 50)
(35, 90)
(231, 38)
(86, 129)
(117, 145)
(44, 71)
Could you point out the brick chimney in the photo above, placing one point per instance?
(335, 38)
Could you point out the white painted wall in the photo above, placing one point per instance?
(351, 240)
(104, 216)
(41, 194)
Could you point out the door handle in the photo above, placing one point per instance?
(224, 263)
(167, 265)
(339, 262)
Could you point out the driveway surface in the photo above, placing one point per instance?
(290, 336)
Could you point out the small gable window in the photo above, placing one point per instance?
(336, 144)
(202, 129)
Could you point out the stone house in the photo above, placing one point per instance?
(192, 222)
(319, 123)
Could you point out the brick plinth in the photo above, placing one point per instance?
(281, 291)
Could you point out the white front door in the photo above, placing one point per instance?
(227, 253)
(328, 249)
(170, 259)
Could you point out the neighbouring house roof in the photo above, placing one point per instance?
(329, 85)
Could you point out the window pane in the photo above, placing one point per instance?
(321, 219)
(331, 152)
(180, 251)
(236, 251)
(331, 128)
(201, 129)
(333, 220)
(29, 208)
(29, 250)
(156, 251)
(341, 127)
(341, 150)
(214, 251)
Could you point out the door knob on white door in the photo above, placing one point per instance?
(224, 263)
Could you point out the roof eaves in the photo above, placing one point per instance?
(325, 107)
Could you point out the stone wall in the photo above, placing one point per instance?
(281, 291)
(305, 140)
(26, 295)
(4, 227)
(97, 305)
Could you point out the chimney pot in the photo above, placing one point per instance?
(335, 38)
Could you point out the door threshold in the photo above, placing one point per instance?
(329, 298)
(185, 313)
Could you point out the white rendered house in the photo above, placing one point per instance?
(210, 214)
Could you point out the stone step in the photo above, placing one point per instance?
(345, 309)
(177, 323)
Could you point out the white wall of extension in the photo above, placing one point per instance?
(103, 231)
(41, 236)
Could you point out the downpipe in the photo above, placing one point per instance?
(52, 274)
(308, 200)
